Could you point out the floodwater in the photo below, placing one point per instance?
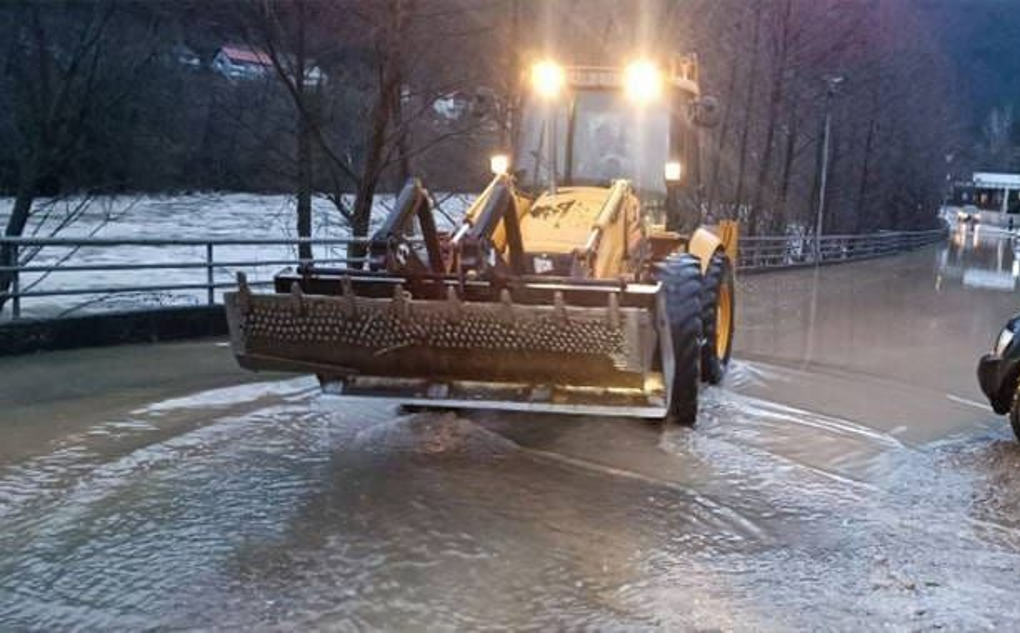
(215, 216)
(847, 476)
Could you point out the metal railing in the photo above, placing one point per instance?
(41, 256)
(777, 252)
(207, 264)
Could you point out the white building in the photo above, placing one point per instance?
(996, 196)
(185, 56)
(239, 62)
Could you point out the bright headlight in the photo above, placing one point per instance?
(548, 79)
(1005, 339)
(642, 81)
(673, 171)
(499, 164)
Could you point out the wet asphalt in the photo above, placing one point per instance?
(847, 476)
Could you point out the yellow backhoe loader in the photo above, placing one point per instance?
(579, 281)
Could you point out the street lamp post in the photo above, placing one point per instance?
(832, 83)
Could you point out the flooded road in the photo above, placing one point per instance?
(847, 476)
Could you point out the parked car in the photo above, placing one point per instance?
(999, 374)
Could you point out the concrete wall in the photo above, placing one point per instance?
(151, 325)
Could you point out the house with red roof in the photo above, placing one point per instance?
(240, 62)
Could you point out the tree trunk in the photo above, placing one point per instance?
(361, 212)
(375, 154)
(752, 79)
(862, 189)
(403, 142)
(510, 120)
(782, 201)
(816, 183)
(766, 161)
(304, 145)
(720, 147)
(396, 93)
(775, 99)
(304, 190)
(15, 227)
(832, 221)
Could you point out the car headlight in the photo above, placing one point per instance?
(1002, 343)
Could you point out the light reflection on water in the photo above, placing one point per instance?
(980, 257)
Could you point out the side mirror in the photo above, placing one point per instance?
(706, 112)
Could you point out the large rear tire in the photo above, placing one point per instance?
(681, 278)
(718, 310)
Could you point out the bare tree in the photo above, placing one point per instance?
(68, 69)
(380, 92)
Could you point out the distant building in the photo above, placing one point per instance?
(452, 106)
(457, 105)
(314, 76)
(185, 56)
(239, 62)
(995, 196)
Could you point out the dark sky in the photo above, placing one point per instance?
(982, 37)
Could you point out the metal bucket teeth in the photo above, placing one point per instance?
(308, 321)
(448, 339)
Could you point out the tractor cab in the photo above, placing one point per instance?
(604, 160)
(590, 126)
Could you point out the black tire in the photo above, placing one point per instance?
(681, 279)
(718, 277)
(1014, 412)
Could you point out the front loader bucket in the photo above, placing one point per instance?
(447, 352)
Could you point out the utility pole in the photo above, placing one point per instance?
(832, 83)
(947, 189)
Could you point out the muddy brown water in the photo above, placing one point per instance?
(848, 475)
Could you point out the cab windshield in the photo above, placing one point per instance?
(600, 136)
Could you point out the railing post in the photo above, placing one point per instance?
(210, 285)
(15, 284)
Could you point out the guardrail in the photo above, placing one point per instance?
(777, 252)
(133, 256)
(178, 270)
